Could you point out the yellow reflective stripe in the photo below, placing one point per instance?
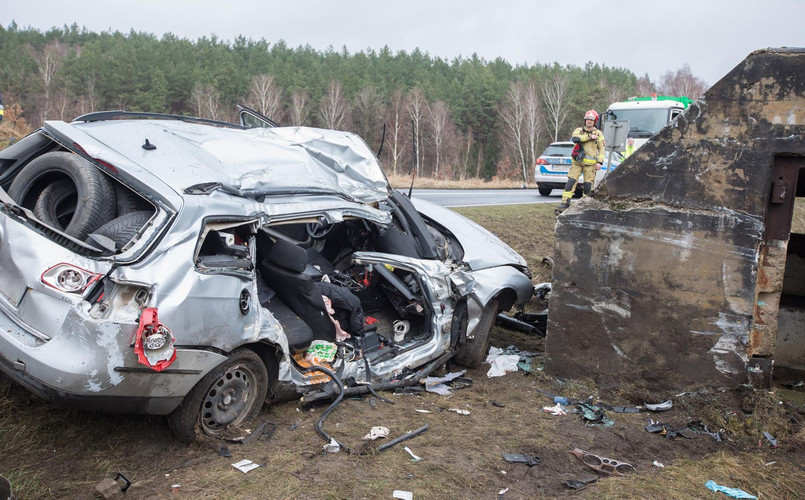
(567, 194)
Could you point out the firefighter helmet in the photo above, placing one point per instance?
(591, 115)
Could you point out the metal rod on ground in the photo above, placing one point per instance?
(404, 437)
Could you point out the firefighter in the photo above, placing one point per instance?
(588, 156)
(629, 149)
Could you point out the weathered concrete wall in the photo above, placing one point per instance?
(655, 275)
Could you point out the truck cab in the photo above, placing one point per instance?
(647, 115)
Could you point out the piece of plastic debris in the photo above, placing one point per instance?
(176, 485)
(731, 492)
(496, 404)
(224, 452)
(664, 430)
(502, 492)
(698, 427)
(770, 463)
(459, 411)
(402, 495)
(520, 458)
(603, 465)
(560, 400)
(771, 439)
(332, 446)
(437, 384)
(245, 465)
(501, 363)
(580, 484)
(554, 410)
(423, 411)
(665, 405)
(658, 464)
(414, 458)
(594, 415)
(377, 432)
(294, 426)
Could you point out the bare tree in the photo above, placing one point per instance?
(367, 114)
(533, 120)
(557, 103)
(682, 82)
(644, 86)
(300, 108)
(464, 155)
(513, 113)
(333, 107)
(438, 119)
(416, 110)
(396, 120)
(265, 97)
(47, 62)
(614, 92)
(206, 99)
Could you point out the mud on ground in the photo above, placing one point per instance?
(49, 452)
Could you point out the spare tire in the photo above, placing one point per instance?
(122, 229)
(52, 179)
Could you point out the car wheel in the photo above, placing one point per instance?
(472, 352)
(127, 201)
(545, 191)
(227, 396)
(122, 229)
(51, 180)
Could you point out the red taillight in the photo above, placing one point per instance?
(68, 278)
(542, 161)
(154, 342)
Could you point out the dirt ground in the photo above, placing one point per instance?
(49, 452)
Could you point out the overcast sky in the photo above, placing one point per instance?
(712, 36)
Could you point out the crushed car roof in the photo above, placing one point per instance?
(243, 162)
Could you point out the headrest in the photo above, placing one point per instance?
(288, 256)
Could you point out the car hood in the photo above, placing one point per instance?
(482, 249)
(243, 162)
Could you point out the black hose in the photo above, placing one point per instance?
(404, 437)
(338, 399)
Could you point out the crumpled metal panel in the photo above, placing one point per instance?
(245, 162)
(656, 274)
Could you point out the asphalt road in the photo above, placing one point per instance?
(479, 197)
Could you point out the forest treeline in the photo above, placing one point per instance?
(462, 118)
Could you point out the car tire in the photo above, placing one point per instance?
(473, 351)
(544, 191)
(230, 394)
(56, 205)
(54, 174)
(128, 202)
(122, 229)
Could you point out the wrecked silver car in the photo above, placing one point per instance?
(172, 266)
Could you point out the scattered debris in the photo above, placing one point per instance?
(658, 464)
(793, 383)
(108, 488)
(414, 458)
(771, 439)
(459, 411)
(501, 363)
(699, 428)
(245, 465)
(770, 463)
(437, 384)
(594, 415)
(496, 404)
(555, 410)
(423, 411)
(731, 492)
(560, 400)
(502, 492)
(580, 484)
(294, 426)
(603, 465)
(224, 452)
(376, 433)
(402, 495)
(332, 446)
(404, 437)
(665, 405)
(519, 458)
(664, 430)
(263, 432)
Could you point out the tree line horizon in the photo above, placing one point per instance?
(449, 119)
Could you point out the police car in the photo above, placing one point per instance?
(552, 167)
